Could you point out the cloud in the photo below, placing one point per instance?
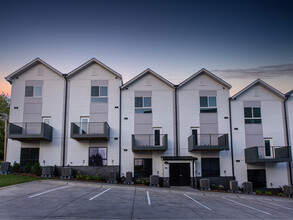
(264, 72)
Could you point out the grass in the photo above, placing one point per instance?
(8, 180)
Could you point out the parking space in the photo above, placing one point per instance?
(61, 200)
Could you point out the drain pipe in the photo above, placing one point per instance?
(287, 137)
(231, 137)
(65, 121)
(176, 122)
(120, 112)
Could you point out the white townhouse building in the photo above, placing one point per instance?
(203, 130)
(147, 124)
(90, 121)
(261, 151)
(36, 117)
(93, 109)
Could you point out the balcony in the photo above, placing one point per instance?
(90, 131)
(271, 154)
(30, 131)
(208, 142)
(149, 142)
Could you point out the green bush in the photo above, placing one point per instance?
(138, 181)
(213, 186)
(36, 168)
(221, 187)
(87, 177)
(15, 168)
(280, 194)
(258, 192)
(269, 193)
(27, 167)
(78, 175)
(97, 177)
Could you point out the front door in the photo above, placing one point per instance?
(179, 174)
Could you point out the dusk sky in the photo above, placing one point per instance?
(239, 41)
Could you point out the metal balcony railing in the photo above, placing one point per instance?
(272, 154)
(149, 142)
(90, 130)
(30, 131)
(208, 142)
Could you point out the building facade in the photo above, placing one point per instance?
(89, 120)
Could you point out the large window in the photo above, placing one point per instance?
(143, 104)
(143, 168)
(252, 115)
(29, 155)
(210, 167)
(99, 94)
(208, 104)
(98, 156)
(33, 91)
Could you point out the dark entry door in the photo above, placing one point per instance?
(257, 177)
(179, 174)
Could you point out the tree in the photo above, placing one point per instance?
(4, 111)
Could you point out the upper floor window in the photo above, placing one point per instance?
(208, 104)
(143, 104)
(33, 91)
(99, 94)
(252, 115)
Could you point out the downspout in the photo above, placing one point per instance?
(231, 138)
(176, 123)
(120, 112)
(65, 121)
(287, 138)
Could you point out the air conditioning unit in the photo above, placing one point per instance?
(129, 178)
(154, 180)
(205, 184)
(288, 190)
(5, 168)
(47, 171)
(247, 187)
(112, 177)
(66, 173)
(233, 185)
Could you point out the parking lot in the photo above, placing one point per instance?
(51, 199)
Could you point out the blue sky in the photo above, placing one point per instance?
(233, 39)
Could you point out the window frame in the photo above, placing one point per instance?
(23, 161)
(100, 98)
(47, 118)
(103, 159)
(253, 119)
(33, 92)
(143, 109)
(143, 173)
(208, 108)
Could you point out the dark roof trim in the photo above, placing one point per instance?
(147, 71)
(204, 71)
(290, 93)
(178, 158)
(28, 66)
(90, 62)
(263, 84)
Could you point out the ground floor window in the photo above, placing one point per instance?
(143, 168)
(29, 155)
(257, 177)
(210, 167)
(98, 156)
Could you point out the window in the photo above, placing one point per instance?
(47, 120)
(208, 104)
(33, 91)
(99, 94)
(194, 133)
(98, 156)
(143, 168)
(252, 115)
(84, 125)
(157, 136)
(210, 167)
(143, 104)
(268, 147)
(29, 155)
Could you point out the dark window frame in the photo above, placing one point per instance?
(30, 91)
(93, 164)
(143, 173)
(142, 109)
(252, 115)
(31, 160)
(96, 95)
(205, 106)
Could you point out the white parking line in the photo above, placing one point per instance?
(277, 205)
(149, 200)
(99, 194)
(48, 191)
(198, 202)
(247, 206)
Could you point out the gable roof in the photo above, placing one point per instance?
(148, 71)
(90, 62)
(28, 66)
(204, 71)
(263, 84)
(290, 93)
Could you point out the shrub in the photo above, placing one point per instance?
(213, 186)
(15, 168)
(138, 181)
(87, 177)
(36, 168)
(97, 177)
(27, 167)
(258, 192)
(269, 193)
(280, 194)
(221, 187)
(78, 175)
